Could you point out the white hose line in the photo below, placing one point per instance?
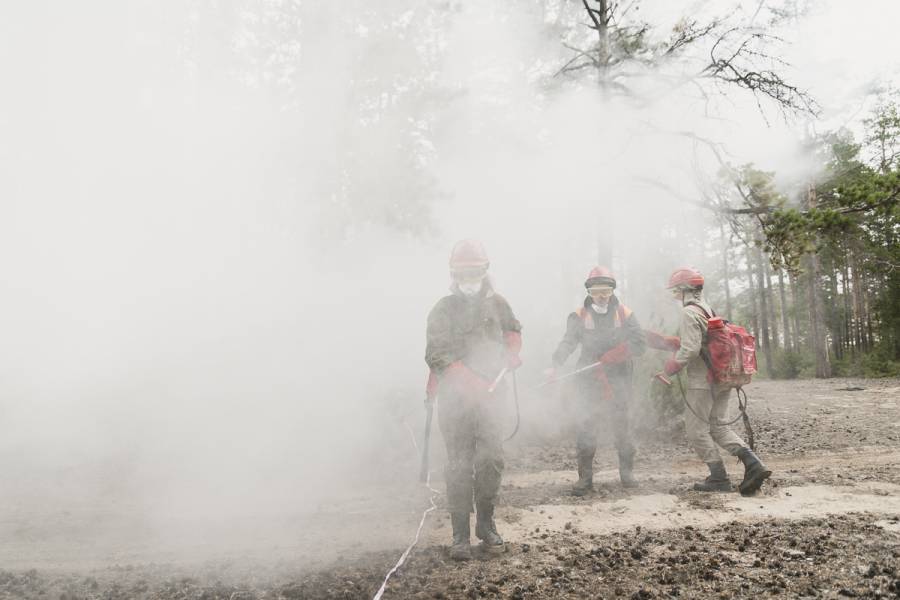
(405, 555)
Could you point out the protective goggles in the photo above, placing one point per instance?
(600, 291)
(469, 274)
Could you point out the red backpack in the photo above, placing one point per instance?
(729, 352)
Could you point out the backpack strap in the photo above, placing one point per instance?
(704, 351)
(701, 309)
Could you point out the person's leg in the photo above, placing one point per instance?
(698, 415)
(755, 472)
(488, 473)
(457, 429)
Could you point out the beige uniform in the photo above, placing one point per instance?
(710, 403)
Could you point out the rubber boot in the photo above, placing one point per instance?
(717, 481)
(460, 549)
(486, 531)
(755, 472)
(585, 483)
(626, 470)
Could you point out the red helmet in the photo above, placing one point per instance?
(685, 277)
(468, 254)
(600, 276)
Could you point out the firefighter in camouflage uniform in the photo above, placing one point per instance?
(472, 335)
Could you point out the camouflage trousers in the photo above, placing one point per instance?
(594, 407)
(471, 428)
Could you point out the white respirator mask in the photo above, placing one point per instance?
(600, 308)
(470, 288)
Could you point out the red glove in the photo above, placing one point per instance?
(513, 341)
(662, 342)
(431, 386)
(466, 378)
(672, 366)
(616, 356)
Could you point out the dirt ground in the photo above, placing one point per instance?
(827, 525)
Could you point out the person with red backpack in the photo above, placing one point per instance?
(472, 340)
(710, 378)
(609, 336)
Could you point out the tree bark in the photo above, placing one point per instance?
(770, 299)
(795, 300)
(751, 292)
(845, 288)
(725, 273)
(763, 312)
(817, 329)
(837, 342)
(785, 320)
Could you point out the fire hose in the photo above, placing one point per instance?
(742, 409)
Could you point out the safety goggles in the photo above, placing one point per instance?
(468, 274)
(600, 291)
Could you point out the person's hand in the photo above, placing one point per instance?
(672, 366)
(513, 361)
(550, 374)
(616, 355)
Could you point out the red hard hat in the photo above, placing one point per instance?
(685, 277)
(600, 276)
(468, 254)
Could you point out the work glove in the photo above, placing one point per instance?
(662, 342)
(550, 373)
(513, 342)
(616, 355)
(431, 387)
(672, 367)
(466, 379)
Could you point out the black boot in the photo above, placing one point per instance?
(717, 481)
(626, 467)
(460, 550)
(755, 472)
(585, 483)
(487, 531)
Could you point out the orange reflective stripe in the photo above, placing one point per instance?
(586, 318)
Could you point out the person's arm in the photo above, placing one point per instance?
(512, 334)
(570, 340)
(691, 334)
(439, 351)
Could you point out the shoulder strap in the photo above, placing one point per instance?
(704, 352)
(701, 309)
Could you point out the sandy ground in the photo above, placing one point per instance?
(826, 525)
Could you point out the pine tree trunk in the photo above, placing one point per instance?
(785, 320)
(763, 312)
(817, 329)
(770, 299)
(795, 301)
(726, 276)
(845, 288)
(837, 341)
(751, 292)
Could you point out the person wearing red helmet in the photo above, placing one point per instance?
(708, 410)
(608, 333)
(472, 336)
